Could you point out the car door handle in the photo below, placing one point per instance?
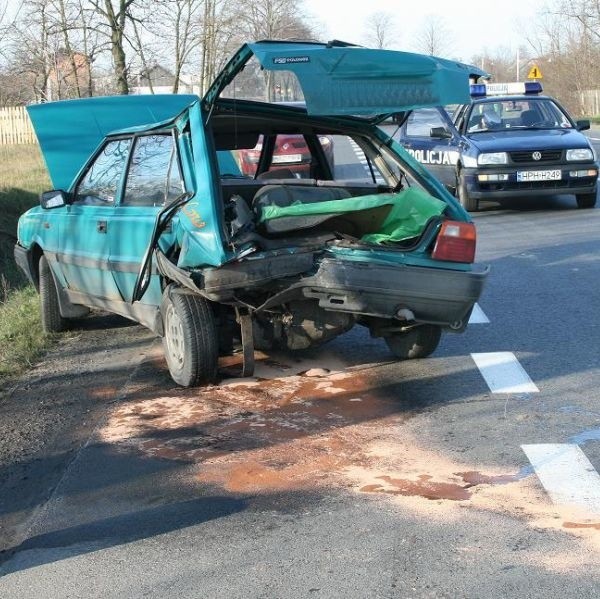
(101, 226)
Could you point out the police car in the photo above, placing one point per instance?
(509, 141)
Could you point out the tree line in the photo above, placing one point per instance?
(57, 49)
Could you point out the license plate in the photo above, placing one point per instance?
(282, 158)
(539, 175)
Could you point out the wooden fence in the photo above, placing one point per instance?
(590, 102)
(15, 127)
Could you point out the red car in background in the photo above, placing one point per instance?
(291, 153)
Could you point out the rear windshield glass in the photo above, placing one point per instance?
(258, 84)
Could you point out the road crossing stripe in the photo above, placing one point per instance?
(478, 316)
(503, 373)
(567, 475)
(360, 156)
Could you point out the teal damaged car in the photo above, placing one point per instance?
(151, 216)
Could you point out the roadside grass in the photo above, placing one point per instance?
(22, 340)
(22, 177)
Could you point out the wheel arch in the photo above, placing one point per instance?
(35, 255)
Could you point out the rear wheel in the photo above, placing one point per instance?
(190, 339)
(52, 321)
(419, 342)
(586, 200)
(467, 202)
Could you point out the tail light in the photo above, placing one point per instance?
(455, 242)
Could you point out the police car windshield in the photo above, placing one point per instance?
(516, 113)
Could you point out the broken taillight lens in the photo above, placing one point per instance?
(455, 242)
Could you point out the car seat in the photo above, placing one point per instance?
(285, 195)
(529, 117)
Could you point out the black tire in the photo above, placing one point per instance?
(52, 321)
(586, 200)
(467, 202)
(419, 342)
(190, 339)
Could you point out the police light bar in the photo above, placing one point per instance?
(479, 90)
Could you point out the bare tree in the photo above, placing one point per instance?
(567, 49)
(501, 63)
(434, 37)
(179, 24)
(92, 44)
(34, 48)
(116, 19)
(4, 28)
(585, 12)
(381, 30)
(64, 26)
(273, 19)
(141, 46)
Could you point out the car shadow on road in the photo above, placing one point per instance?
(124, 528)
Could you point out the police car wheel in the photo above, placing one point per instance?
(586, 200)
(419, 342)
(190, 337)
(466, 202)
(52, 320)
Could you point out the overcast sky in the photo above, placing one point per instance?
(474, 25)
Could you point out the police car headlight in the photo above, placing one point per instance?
(469, 161)
(580, 154)
(492, 158)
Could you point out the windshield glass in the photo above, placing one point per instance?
(522, 113)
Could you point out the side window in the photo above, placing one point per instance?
(154, 176)
(420, 122)
(100, 183)
(351, 162)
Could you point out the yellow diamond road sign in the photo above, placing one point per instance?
(534, 73)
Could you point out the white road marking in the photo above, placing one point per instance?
(567, 475)
(478, 316)
(360, 156)
(503, 373)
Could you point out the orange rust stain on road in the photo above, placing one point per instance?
(281, 433)
(477, 478)
(579, 525)
(260, 477)
(424, 487)
(285, 433)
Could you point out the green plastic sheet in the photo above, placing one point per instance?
(410, 210)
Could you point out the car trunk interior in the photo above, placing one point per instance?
(250, 204)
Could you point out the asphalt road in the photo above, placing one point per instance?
(335, 473)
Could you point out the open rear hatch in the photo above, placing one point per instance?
(342, 79)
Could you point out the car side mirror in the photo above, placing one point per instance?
(583, 125)
(56, 198)
(440, 132)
